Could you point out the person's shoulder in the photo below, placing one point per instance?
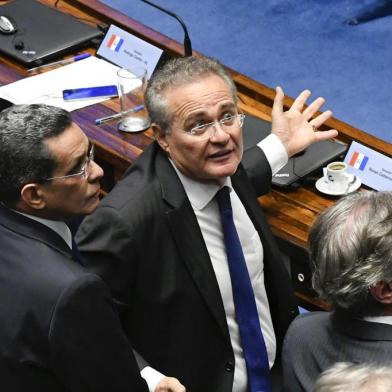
(83, 281)
(39, 275)
(310, 318)
(67, 283)
(138, 184)
(42, 258)
(56, 270)
(304, 350)
(127, 208)
(307, 325)
(130, 191)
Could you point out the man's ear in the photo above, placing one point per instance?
(382, 292)
(160, 137)
(31, 195)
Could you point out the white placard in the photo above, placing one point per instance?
(127, 51)
(373, 168)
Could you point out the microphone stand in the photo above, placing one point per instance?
(187, 41)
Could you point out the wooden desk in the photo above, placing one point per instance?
(290, 213)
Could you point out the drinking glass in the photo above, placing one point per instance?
(131, 85)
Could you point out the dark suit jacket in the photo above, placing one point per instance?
(59, 330)
(316, 340)
(145, 241)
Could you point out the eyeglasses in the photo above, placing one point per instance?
(82, 172)
(208, 130)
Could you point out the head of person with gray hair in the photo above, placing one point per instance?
(195, 119)
(349, 377)
(179, 72)
(351, 253)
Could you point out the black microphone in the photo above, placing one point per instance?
(378, 10)
(187, 41)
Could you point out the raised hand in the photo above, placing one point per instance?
(295, 128)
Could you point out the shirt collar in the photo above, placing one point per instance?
(379, 319)
(200, 193)
(57, 226)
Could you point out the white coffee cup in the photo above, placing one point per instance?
(337, 177)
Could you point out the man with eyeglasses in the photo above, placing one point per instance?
(59, 330)
(163, 242)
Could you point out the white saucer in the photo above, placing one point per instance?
(324, 187)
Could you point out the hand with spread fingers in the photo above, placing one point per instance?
(169, 384)
(296, 127)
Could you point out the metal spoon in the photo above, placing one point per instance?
(353, 179)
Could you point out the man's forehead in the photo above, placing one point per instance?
(216, 82)
(202, 106)
(219, 104)
(199, 95)
(71, 141)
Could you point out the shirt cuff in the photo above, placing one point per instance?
(152, 377)
(274, 151)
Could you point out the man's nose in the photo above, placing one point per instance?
(95, 172)
(219, 133)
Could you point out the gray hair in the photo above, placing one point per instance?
(24, 157)
(349, 377)
(178, 72)
(351, 250)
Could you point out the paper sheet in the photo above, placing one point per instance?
(47, 87)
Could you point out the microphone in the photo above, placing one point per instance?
(372, 12)
(187, 41)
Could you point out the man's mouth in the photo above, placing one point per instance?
(96, 193)
(220, 154)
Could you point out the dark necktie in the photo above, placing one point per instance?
(75, 253)
(252, 340)
(73, 225)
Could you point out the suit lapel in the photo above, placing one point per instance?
(33, 229)
(189, 240)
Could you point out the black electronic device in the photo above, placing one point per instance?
(299, 166)
(43, 33)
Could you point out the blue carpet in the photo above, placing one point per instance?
(295, 44)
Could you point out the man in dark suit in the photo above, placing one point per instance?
(351, 257)
(59, 330)
(157, 237)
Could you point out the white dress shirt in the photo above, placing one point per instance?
(201, 197)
